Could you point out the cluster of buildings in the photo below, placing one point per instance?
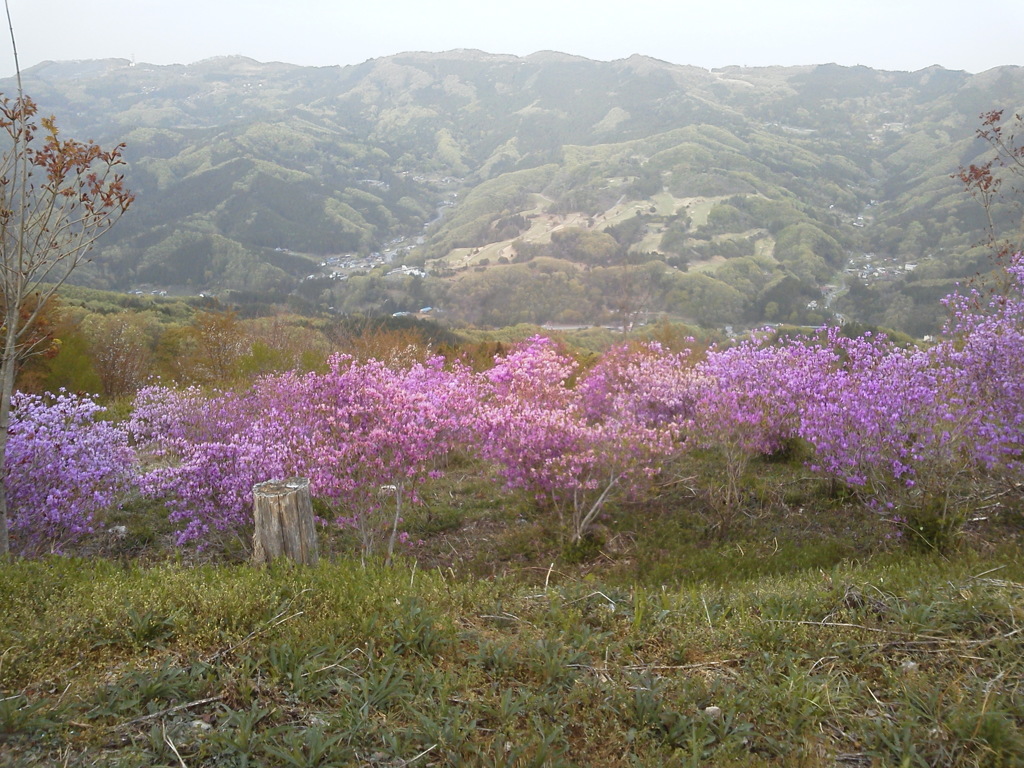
(870, 267)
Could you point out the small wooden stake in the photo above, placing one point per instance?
(283, 512)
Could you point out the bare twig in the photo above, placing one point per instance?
(506, 616)
(14, 47)
(63, 694)
(275, 621)
(597, 593)
(174, 749)
(171, 710)
(335, 665)
(412, 760)
(698, 665)
(253, 634)
(990, 570)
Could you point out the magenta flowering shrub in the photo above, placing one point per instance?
(918, 431)
(528, 418)
(375, 434)
(644, 384)
(358, 429)
(450, 395)
(62, 469)
(928, 428)
(540, 432)
(753, 394)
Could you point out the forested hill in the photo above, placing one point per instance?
(548, 188)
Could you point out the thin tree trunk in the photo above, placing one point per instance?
(8, 359)
(394, 524)
(582, 522)
(11, 316)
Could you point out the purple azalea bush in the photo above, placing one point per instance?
(63, 468)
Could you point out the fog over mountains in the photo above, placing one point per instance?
(546, 189)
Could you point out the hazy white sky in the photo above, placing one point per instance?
(884, 34)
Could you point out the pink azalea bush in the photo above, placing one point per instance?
(537, 427)
(360, 428)
(876, 427)
(374, 434)
(982, 353)
(644, 384)
(205, 453)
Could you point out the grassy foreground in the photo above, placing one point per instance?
(671, 645)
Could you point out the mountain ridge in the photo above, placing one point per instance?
(396, 157)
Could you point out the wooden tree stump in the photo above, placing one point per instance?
(283, 512)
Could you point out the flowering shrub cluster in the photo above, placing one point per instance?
(749, 399)
(360, 427)
(922, 428)
(62, 468)
(573, 446)
(877, 429)
(983, 352)
(909, 429)
(209, 451)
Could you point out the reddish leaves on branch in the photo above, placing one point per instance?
(80, 172)
(982, 179)
(979, 178)
(985, 179)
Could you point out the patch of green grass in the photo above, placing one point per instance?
(904, 660)
(796, 634)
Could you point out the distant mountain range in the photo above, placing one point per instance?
(548, 189)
